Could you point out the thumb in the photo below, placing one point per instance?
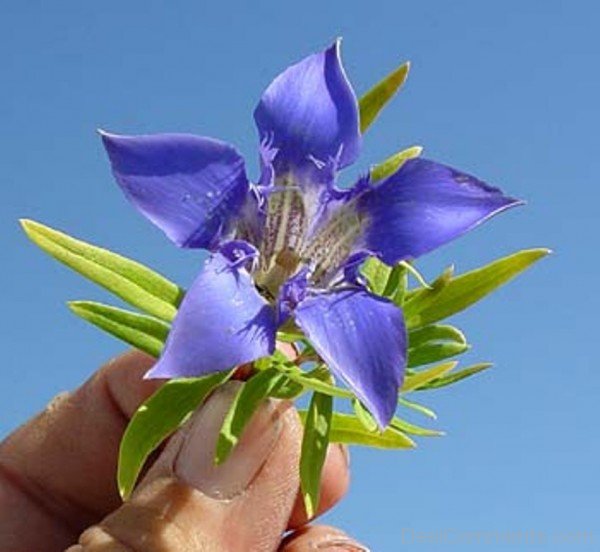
(187, 504)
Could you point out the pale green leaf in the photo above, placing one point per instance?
(129, 280)
(420, 378)
(430, 305)
(377, 274)
(417, 407)
(454, 377)
(407, 427)
(314, 449)
(365, 417)
(348, 429)
(156, 419)
(390, 165)
(434, 351)
(249, 397)
(375, 99)
(146, 333)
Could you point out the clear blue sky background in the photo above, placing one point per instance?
(508, 90)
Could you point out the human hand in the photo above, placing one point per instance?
(57, 478)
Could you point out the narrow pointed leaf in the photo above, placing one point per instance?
(129, 280)
(348, 429)
(145, 333)
(248, 399)
(431, 305)
(156, 419)
(435, 333)
(455, 377)
(375, 99)
(390, 165)
(365, 417)
(407, 427)
(314, 449)
(419, 379)
(434, 352)
(418, 407)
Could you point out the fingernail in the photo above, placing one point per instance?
(339, 544)
(195, 464)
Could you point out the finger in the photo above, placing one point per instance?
(59, 468)
(335, 479)
(321, 537)
(187, 504)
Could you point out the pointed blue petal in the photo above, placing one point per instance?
(310, 111)
(423, 206)
(222, 322)
(191, 187)
(362, 339)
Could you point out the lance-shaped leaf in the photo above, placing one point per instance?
(365, 417)
(417, 407)
(156, 419)
(314, 449)
(129, 280)
(145, 333)
(435, 343)
(247, 400)
(420, 378)
(377, 274)
(375, 99)
(349, 430)
(407, 427)
(393, 163)
(455, 377)
(431, 305)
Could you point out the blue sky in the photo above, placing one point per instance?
(508, 91)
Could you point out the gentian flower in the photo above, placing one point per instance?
(286, 249)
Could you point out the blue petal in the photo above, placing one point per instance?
(423, 206)
(222, 322)
(310, 111)
(362, 338)
(191, 187)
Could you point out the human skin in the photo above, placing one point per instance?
(58, 491)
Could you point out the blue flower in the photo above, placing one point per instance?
(286, 248)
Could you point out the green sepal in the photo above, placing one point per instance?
(143, 332)
(375, 99)
(390, 165)
(248, 398)
(315, 441)
(348, 429)
(452, 295)
(129, 280)
(156, 419)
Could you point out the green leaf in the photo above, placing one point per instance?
(314, 449)
(245, 403)
(146, 333)
(434, 343)
(375, 99)
(348, 429)
(363, 414)
(311, 380)
(393, 163)
(129, 280)
(430, 305)
(417, 407)
(156, 419)
(420, 378)
(377, 274)
(454, 377)
(403, 425)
